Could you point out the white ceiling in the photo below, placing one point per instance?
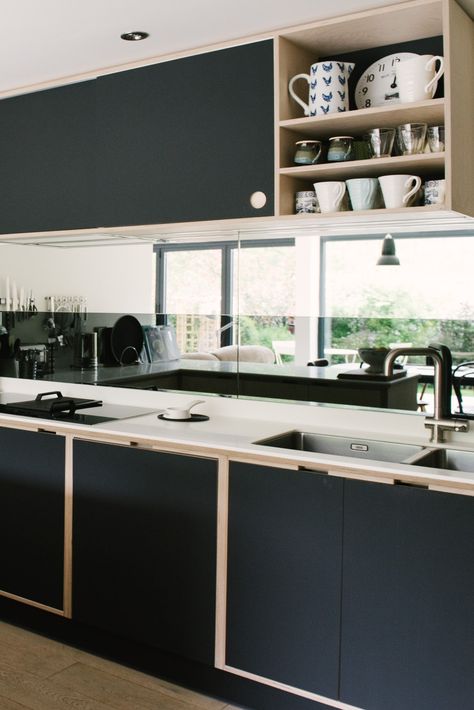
(46, 40)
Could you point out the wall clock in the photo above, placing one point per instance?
(378, 84)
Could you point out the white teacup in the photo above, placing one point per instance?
(398, 189)
(417, 78)
(181, 412)
(330, 195)
(435, 192)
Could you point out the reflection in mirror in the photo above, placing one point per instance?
(342, 302)
(55, 298)
(248, 312)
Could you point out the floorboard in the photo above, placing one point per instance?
(37, 673)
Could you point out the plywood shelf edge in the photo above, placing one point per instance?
(431, 111)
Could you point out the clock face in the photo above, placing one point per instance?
(378, 84)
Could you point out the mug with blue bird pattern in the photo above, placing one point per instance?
(328, 88)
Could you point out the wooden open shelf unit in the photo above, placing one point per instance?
(300, 47)
(425, 164)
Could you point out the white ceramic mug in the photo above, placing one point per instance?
(435, 192)
(330, 195)
(417, 78)
(398, 189)
(364, 193)
(328, 92)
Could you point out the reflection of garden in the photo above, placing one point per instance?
(263, 330)
(383, 328)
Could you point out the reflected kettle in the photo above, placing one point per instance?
(85, 351)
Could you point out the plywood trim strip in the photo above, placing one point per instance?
(31, 602)
(68, 491)
(266, 461)
(221, 564)
(290, 689)
(369, 477)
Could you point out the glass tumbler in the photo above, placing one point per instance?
(436, 139)
(411, 138)
(380, 142)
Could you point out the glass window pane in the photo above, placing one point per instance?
(264, 296)
(434, 278)
(193, 297)
(265, 283)
(428, 298)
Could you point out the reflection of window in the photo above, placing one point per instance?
(428, 298)
(192, 293)
(202, 288)
(264, 296)
(193, 281)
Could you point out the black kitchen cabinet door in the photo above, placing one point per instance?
(284, 576)
(144, 551)
(47, 166)
(189, 139)
(32, 516)
(408, 599)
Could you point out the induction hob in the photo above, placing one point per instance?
(55, 407)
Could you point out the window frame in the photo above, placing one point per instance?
(228, 248)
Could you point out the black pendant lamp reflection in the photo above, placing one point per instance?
(388, 256)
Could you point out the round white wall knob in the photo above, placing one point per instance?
(258, 200)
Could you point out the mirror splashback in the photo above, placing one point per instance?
(249, 310)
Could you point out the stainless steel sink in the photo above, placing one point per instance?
(449, 459)
(345, 446)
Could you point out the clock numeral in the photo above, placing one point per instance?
(369, 77)
(365, 90)
(368, 103)
(397, 59)
(381, 67)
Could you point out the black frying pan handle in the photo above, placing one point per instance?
(39, 397)
(66, 409)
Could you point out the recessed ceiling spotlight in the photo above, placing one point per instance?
(134, 36)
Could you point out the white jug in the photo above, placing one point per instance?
(417, 78)
(328, 92)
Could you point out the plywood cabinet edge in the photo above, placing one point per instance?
(459, 93)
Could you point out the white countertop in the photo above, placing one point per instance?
(235, 425)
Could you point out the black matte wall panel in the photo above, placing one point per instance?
(408, 599)
(48, 157)
(284, 576)
(188, 139)
(145, 546)
(32, 515)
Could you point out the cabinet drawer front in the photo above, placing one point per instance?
(408, 600)
(32, 516)
(284, 576)
(144, 556)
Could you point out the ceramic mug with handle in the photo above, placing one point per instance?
(417, 77)
(398, 189)
(330, 195)
(328, 88)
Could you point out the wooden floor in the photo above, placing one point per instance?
(41, 674)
